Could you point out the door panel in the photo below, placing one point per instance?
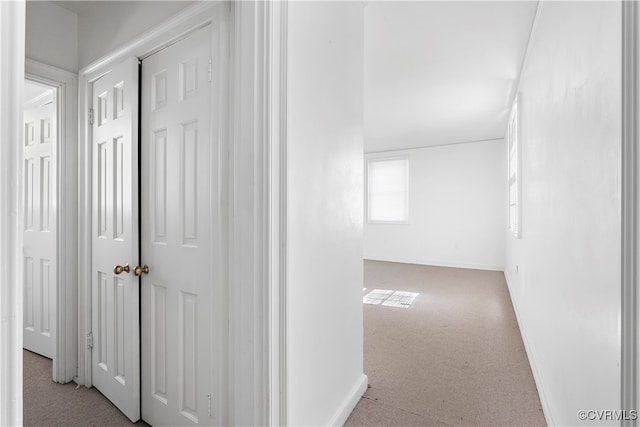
(39, 234)
(115, 297)
(177, 233)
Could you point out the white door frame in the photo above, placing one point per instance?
(277, 248)
(258, 213)
(65, 327)
(12, 48)
(630, 184)
(176, 28)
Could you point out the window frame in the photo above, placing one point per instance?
(368, 190)
(514, 180)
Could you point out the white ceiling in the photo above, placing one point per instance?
(82, 8)
(98, 8)
(436, 72)
(441, 72)
(104, 26)
(34, 91)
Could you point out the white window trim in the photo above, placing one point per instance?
(366, 194)
(514, 116)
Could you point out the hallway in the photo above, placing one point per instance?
(453, 357)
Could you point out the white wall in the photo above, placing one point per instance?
(106, 26)
(52, 35)
(457, 208)
(325, 179)
(564, 273)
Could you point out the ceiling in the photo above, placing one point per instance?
(34, 91)
(104, 26)
(97, 8)
(83, 8)
(436, 72)
(441, 72)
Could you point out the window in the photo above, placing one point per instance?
(388, 190)
(514, 191)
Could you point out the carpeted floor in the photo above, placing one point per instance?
(50, 404)
(454, 357)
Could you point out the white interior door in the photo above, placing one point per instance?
(115, 294)
(177, 233)
(39, 235)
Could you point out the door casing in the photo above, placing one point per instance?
(630, 215)
(65, 329)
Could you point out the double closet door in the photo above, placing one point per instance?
(152, 221)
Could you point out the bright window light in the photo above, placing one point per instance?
(514, 193)
(388, 190)
(390, 298)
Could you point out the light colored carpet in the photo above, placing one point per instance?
(50, 404)
(454, 357)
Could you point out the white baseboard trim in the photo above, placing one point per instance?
(537, 377)
(436, 263)
(350, 402)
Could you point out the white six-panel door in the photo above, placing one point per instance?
(177, 233)
(115, 297)
(39, 235)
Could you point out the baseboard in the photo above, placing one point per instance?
(546, 410)
(350, 402)
(436, 263)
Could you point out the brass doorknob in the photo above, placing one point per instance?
(119, 269)
(139, 270)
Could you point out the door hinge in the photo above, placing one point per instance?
(209, 404)
(90, 117)
(210, 70)
(90, 340)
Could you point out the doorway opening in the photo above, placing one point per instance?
(48, 211)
